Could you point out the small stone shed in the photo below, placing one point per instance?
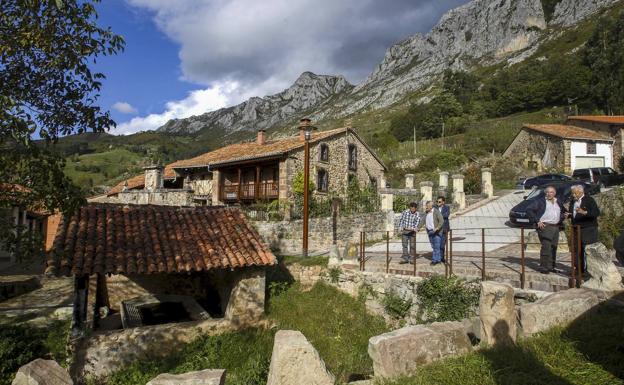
(123, 257)
(544, 147)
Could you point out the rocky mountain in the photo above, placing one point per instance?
(479, 33)
(309, 91)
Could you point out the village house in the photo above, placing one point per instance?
(612, 126)
(545, 147)
(258, 171)
(137, 265)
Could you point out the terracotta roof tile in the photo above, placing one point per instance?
(568, 132)
(146, 239)
(599, 118)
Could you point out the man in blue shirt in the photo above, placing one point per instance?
(408, 225)
(446, 212)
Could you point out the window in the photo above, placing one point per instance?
(322, 181)
(591, 147)
(352, 157)
(324, 153)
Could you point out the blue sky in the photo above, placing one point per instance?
(188, 57)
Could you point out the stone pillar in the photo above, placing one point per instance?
(459, 197)
(426, 192)
(153, 177)
(409, 181)
(283, 189)
(497, 313)
(443, 183)
(216, 188)
(387, 201)
(487, 189)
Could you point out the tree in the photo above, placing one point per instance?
(604, 55)
(47, 90)
(462, 85)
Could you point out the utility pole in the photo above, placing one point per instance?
(414, 127)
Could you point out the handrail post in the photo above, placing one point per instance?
(579, 251)
(572, 257)
(387, 252)
(414, 251)
(450, 236)
(483, 254)
(446, 263)
(522, 258)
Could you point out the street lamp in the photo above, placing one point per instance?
(305, 126)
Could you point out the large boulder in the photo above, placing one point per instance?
(497, 313)
(295, 362)
(402, 351)
(604, 274)
(202, 377)
(557, 309)
(618, 245)
(42, 372)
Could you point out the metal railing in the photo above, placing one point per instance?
(478, 256)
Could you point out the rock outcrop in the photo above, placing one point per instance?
(570, 12)
(497, 313)
(402, 351)
(296, 362)
(42, 372)
(309, 91)
(202, 377)
(604, 274)
(557, 309)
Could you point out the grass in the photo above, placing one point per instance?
(340, 336)
(22, 343)
(304, 261)
(589, 351)
(103, 167)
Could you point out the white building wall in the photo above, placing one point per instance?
(578, 148)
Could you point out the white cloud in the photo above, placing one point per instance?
(124, 108)
(196, 103)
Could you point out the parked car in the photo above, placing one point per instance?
(518, 215)
(601, 176)
(539, 180)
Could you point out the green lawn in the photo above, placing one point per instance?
(590, 351)
(101, 168)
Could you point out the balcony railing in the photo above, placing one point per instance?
(266, 190)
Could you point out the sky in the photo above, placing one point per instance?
(188, 57)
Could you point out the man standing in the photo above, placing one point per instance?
(446, 212)
(433, 223)
(547, 214)
(584, 212)
(408, 224)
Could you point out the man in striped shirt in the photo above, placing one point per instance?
(408, 225)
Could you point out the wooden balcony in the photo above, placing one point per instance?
(264, 190)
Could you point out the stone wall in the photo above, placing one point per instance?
(285, 236)
(530, 146)
(159, 197)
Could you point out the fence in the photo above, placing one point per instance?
(482, 245)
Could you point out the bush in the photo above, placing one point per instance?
(443, 160)
(334, 274)
(396, 306)
(611, 220)
(446, 299)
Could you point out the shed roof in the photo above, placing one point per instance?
(568, 132)
(599, 118)
(146, 239)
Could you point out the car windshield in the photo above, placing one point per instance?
(563, 193)
(535, 193)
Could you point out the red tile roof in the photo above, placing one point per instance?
(146, 239)
(568, 132)
(599, 118)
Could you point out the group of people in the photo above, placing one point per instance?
(436, 223)
(549, 213)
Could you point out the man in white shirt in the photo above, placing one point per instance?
(433, 223)
(547, 213)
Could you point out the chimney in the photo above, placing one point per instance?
(261, 137)
(153, 177)
(304, 125)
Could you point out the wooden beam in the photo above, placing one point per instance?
(257, 186)
(240, 179)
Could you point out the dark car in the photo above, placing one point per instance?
(540, 180)
(601, 176)
(518, 215)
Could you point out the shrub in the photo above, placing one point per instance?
(446, 299)
(611, 220)
(334, 274)
(443, 160)
(396, 306)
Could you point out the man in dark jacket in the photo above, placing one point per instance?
(584, 212)
(547, 214)
(446, 212)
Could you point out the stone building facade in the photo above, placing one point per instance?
(556, 147)
(612, 126)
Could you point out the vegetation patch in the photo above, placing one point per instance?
(396, 306)
(446, 299)
(304, 261)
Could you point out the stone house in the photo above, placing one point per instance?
(136, 265)
(544, 147)
(258, 171)
(612, 126)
